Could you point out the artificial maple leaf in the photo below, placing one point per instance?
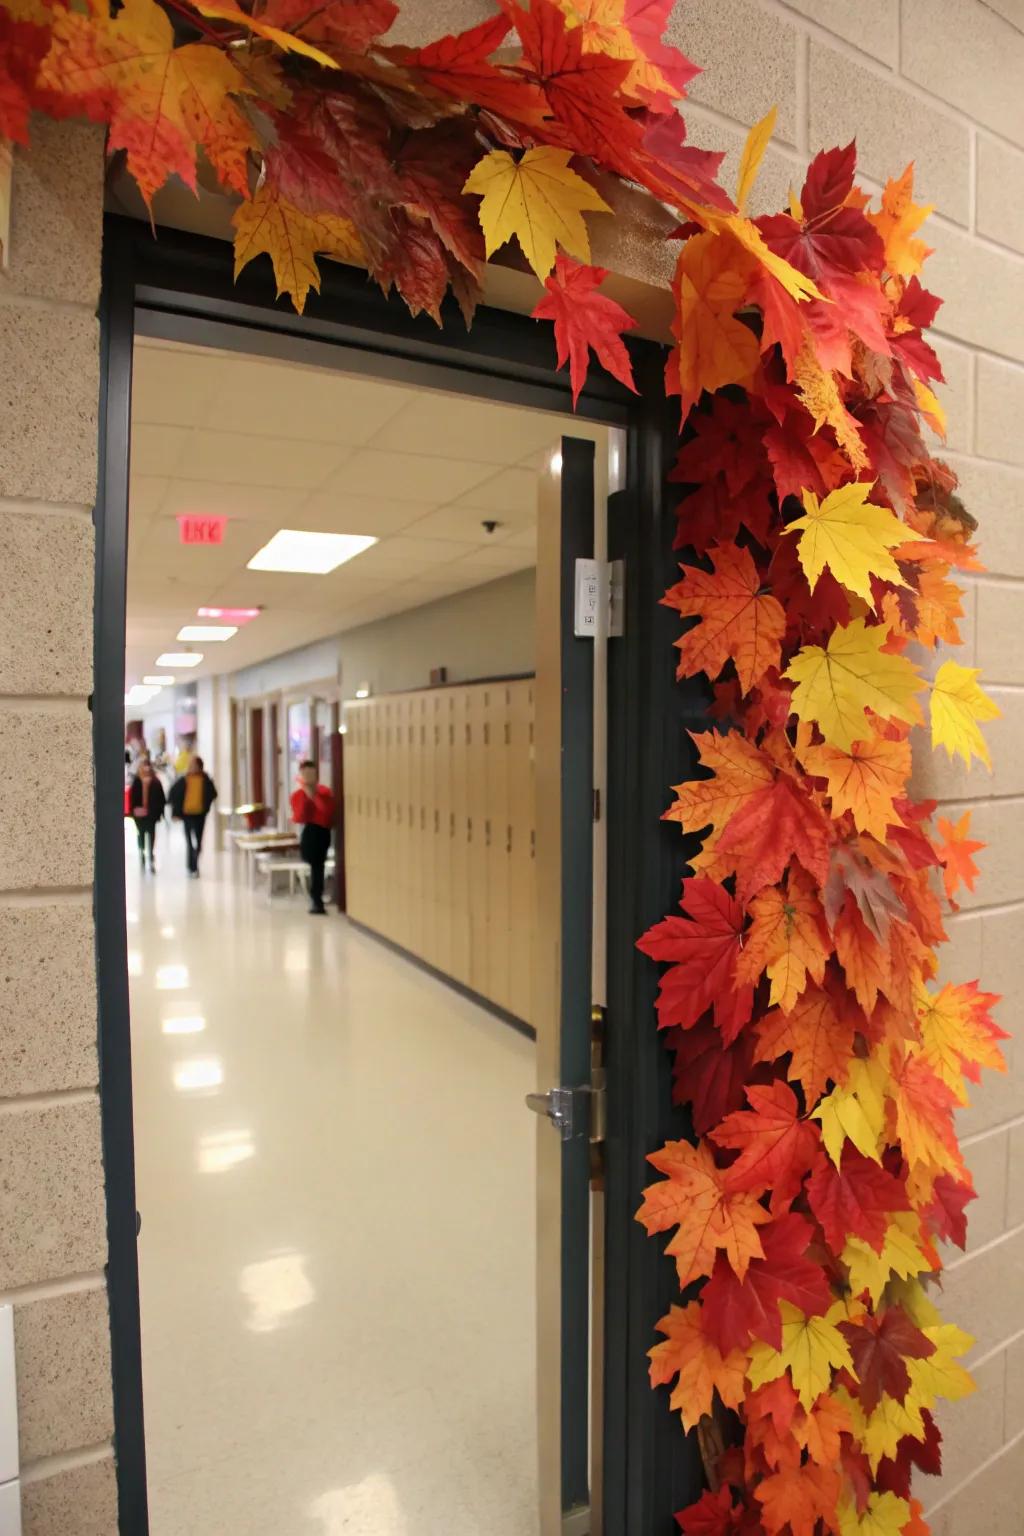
(837, 683)
(701, 1368)
(884, 1515)
(954, 854)
(757, 142)
(787, 938)
(585, 319)
(342, 26)
(738, 622)
(817, 1034)
(820, 396)
(267, 224)
(852, 537)
(855, 1110)
(923, 1113)
(538, 199)
(872, 889)
(774, 826)
(775, 1144)
(812, 1347)
(458, 66)
(703, 950)
(802, 458)
(738, 770)
(714, 348)
(903, 1254)
(738, 1308)
(957, 1035)
(856, 1196)
(289, 42)
(633, 30)
(881, 1345)
(694, 1197)
(796, 1498)
(940, 1374)
(707, 1074)
(938, 608)
(864, 780)
(958, 703)
(714, 1514)
(865, 961)
(945, 1215)
(898, 221)
(24, 43)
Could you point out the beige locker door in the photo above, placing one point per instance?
(441, 894)
(459, 830)
(522, 895)
(428, 800)
(496, 752)
(480, 969)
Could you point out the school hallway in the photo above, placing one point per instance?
(336, 1182)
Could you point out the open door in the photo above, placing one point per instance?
(562, 993)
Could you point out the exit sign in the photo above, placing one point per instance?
(198, 528)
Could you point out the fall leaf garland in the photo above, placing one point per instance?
(820, 1060)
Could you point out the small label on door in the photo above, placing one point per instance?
(591, 598)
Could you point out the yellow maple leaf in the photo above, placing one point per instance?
(889, 1423)
(885, 1514)
(820, 395)
(901, 1256)
(747, 235)
(715, 348)
(812, 1348)
(863, 781)
(539, 199)
(852, 537)
(226, 10)
(941, 1374)
(930, 407)
(855, 1110)
(757, 142)
(952, 1036)
(269, 225)
(958, 703)
(897, 222)
(834, 686)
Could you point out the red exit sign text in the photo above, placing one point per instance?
(196, 528)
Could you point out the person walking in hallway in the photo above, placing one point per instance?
(146, 800)
(191, 798)
(313, 811)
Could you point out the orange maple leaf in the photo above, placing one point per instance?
(714, 347)
(957, 1035)
(787, 938)
(922, 1111)
(738, 770)
(796, 1498)
(864, 960)
(954, 854)
(702, 1370)
(938, 607)
(694, 1198)
(738, 622)
(863, 781)
(819, 1037)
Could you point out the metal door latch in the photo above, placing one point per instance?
(574, 1112)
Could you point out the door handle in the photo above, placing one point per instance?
(557, 1105)
(574, 1112)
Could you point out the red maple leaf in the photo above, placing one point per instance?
(894, 1473)
(709, 1075)
(774, 826)
(702, 948)
(776, 1146)
(714, 1514)
(348, 26)
(735, 1310)
(585, 319)
(457, 65)
(945, 1216)
(855, 1199)
(881, 1347)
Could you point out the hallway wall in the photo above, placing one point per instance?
(52, 1219)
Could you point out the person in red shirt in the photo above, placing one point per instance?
(313, 811)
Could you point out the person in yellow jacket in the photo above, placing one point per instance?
(191, 798)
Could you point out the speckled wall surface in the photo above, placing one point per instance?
(52, 1217)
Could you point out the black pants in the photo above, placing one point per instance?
(314, 845)
(145, 831)
(194, 826)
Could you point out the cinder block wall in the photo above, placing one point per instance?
(52, 1220)
(940, 82)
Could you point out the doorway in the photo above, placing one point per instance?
(162, 296)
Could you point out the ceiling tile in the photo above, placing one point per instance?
(157, 450)
(170, 386)
(499, 561)
(453, 426)
(407, 476)
(511, 493)
(254, 459)
(402, 556)
(259, 503)
(145, 493)
(304, 404)
(465, 524)
(338, 512)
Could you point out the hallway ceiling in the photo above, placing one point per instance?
(272, 445)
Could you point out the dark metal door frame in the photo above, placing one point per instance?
(181, 287)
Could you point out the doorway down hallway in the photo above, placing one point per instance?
(336, 1182)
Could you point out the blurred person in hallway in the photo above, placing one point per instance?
(191, 798)
(313, 811)
(146, 802)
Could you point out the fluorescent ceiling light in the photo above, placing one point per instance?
(159, 680)
(140, 694)
(207, 632)
(179, 659)
(229, 615)
(312, 554)
(181, 1024)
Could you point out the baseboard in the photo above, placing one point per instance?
(512, 1019)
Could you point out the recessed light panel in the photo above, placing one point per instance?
(229, 615)
(139, 694)
(179, 659)
(158, 681)
(214, 632)
(312, 554)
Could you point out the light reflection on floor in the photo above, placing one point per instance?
(336, 1182)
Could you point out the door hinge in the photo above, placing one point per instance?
(599, 598)
(576, 1113)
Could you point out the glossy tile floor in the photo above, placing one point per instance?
(336, 1182)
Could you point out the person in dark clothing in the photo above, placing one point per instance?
(313, 811)
(191, 798)
(146, 800)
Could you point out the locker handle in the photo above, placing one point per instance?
(487, 834)
(469, 829)
(508, 840)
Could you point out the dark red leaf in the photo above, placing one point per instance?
(702, 949)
